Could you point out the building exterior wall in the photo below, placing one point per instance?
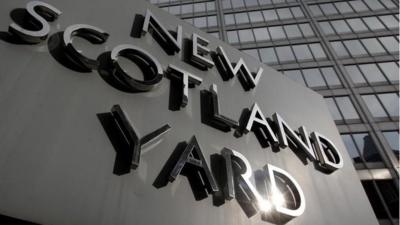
(353, 80)
(57, 160)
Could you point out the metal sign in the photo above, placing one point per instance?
(234, 178)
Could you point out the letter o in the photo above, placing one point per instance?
(150, 67)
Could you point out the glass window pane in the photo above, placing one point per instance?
(261, 34)
(276, 33)
(357, 25)
(246, 36)
(331, 76)
(302, 52)
(355, 48)
(359, 6)
(374, 4)
(333, 109)
(339, 48)
(317, 51)
(212, 21)
(340, 26)
(241, 18)
(200, 22)
(390, 21)
(374, 106)
(296, 76)
(391, 103)
(391, 70)
(372, 73)
(297, 12)
(355, 75)
(316, 11)
(314, 78)
(390, 195)
(237, 3)
(347, 108)
(328, 9)
(232, 37)
(210, 6)
(256, 16)
(188, 8)
(373, 46)
(229, 20)
(284, 13)
(390, 43)
(292, 31)
(374, 199)
(270, 15)
(351, 148)
(326, 28)
(392, 138)
(265, 2)
(343, 7)
(373, 23)
(389, 4)
(250, 3)
(268, 55)
(226, 4)
(285, 54)
(367, 147)
(307, 30)
(199, 7)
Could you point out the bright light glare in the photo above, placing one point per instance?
(265, 205)
(278, 199)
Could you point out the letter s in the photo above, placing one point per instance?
(42, 12)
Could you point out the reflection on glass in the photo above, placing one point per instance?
(261, 34)
(314, 78)
(232, 37)
(347, 108)
(331, 77)
(391, 103)
(367, 147)
(317, 51)
(333, 109)
(373, 46)
(390, 43)
(285, 54)
(302, 52)
(357, 25)
(392, 138)
(355, 48)
(374, 106)
(276, 33)
(246, 35)
(268, 55)
(372, 73)
(355, 74)
(391, 70)
(339, 49)
(351, 148)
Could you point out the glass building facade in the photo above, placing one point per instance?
(347, 51)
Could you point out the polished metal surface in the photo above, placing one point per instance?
(57, 160)
(37, 10)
